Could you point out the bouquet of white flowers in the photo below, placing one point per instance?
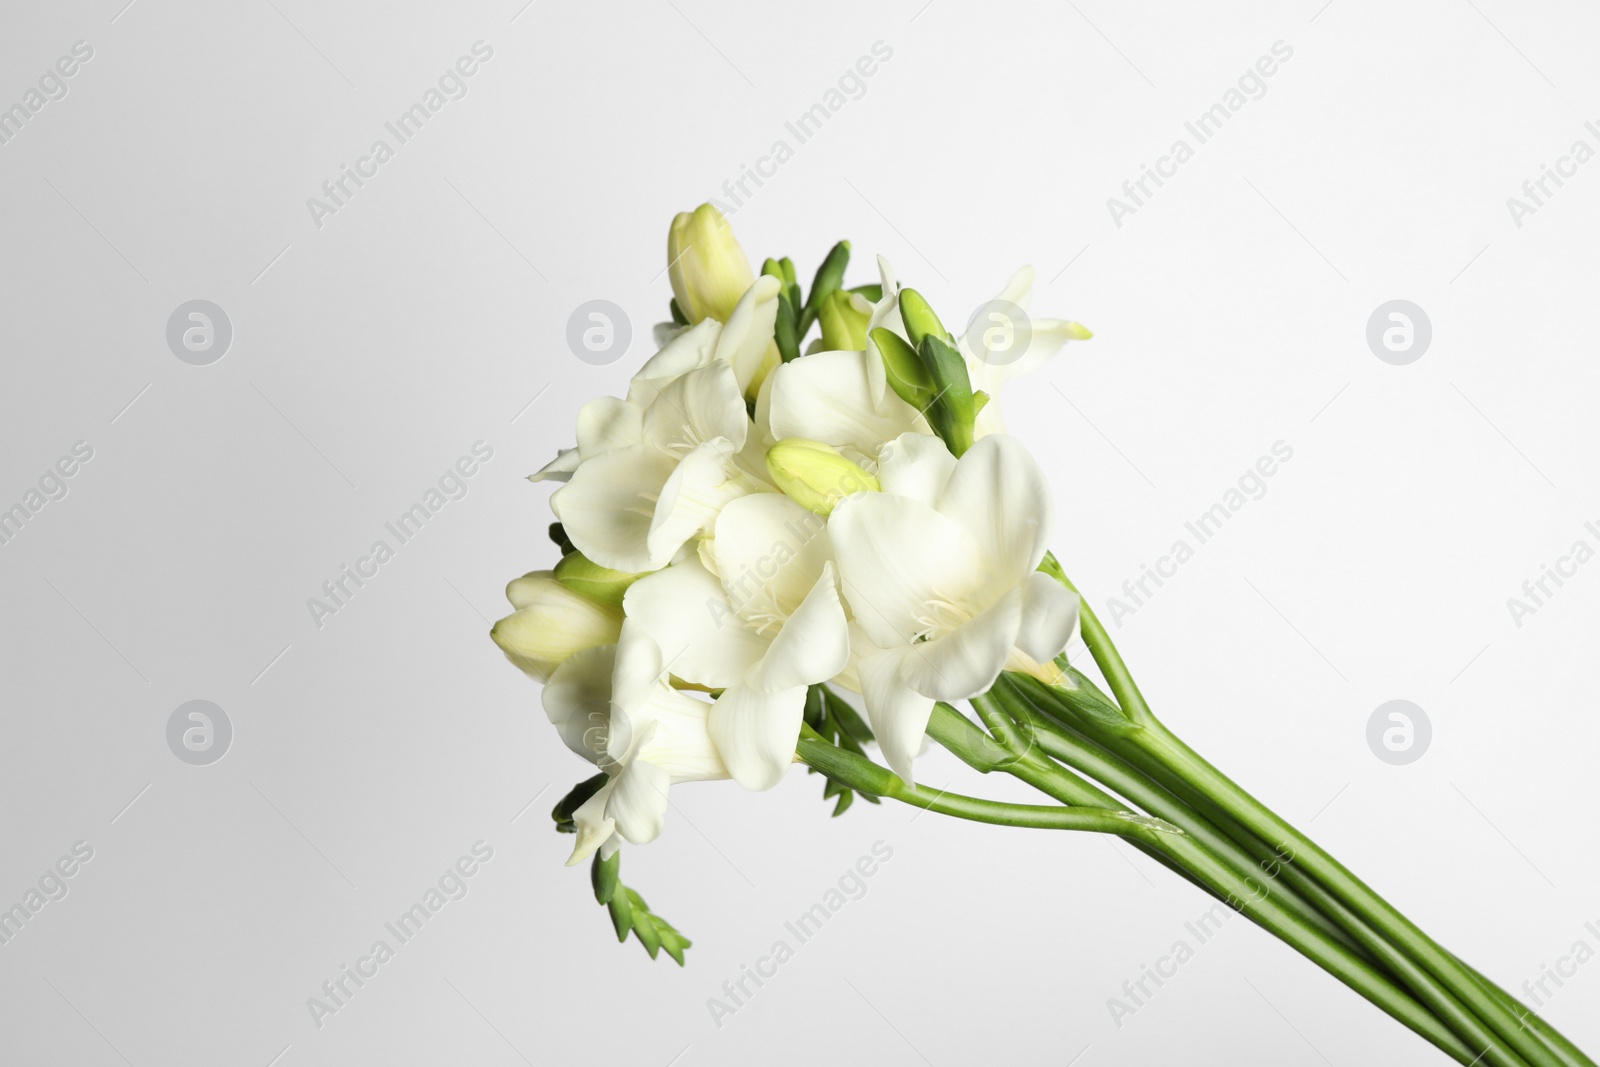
(762, 524)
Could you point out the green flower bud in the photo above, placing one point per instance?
(919, 317)
(829, 277)
(708, 269)
(954, 409)
(903, 367)
(551, 623)
(586, 577)
(843, 322)
(815, 475)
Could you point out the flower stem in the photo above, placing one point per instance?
(1162, 745)
(862, 774)
(1356, 937)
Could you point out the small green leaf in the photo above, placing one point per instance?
(621, 908)
(603, 876)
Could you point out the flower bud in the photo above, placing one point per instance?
(708, 269)
(815, 475)
(551, 623)
(903, 368)
(582, 575)
(843, 322)
(919, 317)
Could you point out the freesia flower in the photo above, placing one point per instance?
(763, 627)
(940, 572)
(652, 471)
(990, 346)
(551, 623)
(613, 705)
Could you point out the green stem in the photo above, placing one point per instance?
(1268, 911)
(1160, 743)
(1355, 937)
(862, 774)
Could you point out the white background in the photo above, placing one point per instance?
(1230, 313)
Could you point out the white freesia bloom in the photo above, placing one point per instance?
(843, 398)
(763, 627)
(613, 705)
(990, 365)
(652, 471)
(940, 572)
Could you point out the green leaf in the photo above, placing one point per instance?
(630, 914)
(621, 907)
(603, 876)
(678, 317)
(873, 292)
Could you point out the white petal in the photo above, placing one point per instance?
(897, 557)
(1002, 497)
(744, 340)
(702, 639)
(814, 643)
(833, 397)
(609, 505)
(577, 700)
(681, 744)
(558, 469)
(1049, 617)
(605, 423)
(756, 732)
(690, 500)
(916, 465)
(898, 714)
(702, 404)
(595, 827)
(769, 552)
(965, 661)
(687, 350)
(639, 802)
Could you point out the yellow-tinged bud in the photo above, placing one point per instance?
(584, 576)
(709, 270)
(815, 475)
(844, 321)
(551, 623)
